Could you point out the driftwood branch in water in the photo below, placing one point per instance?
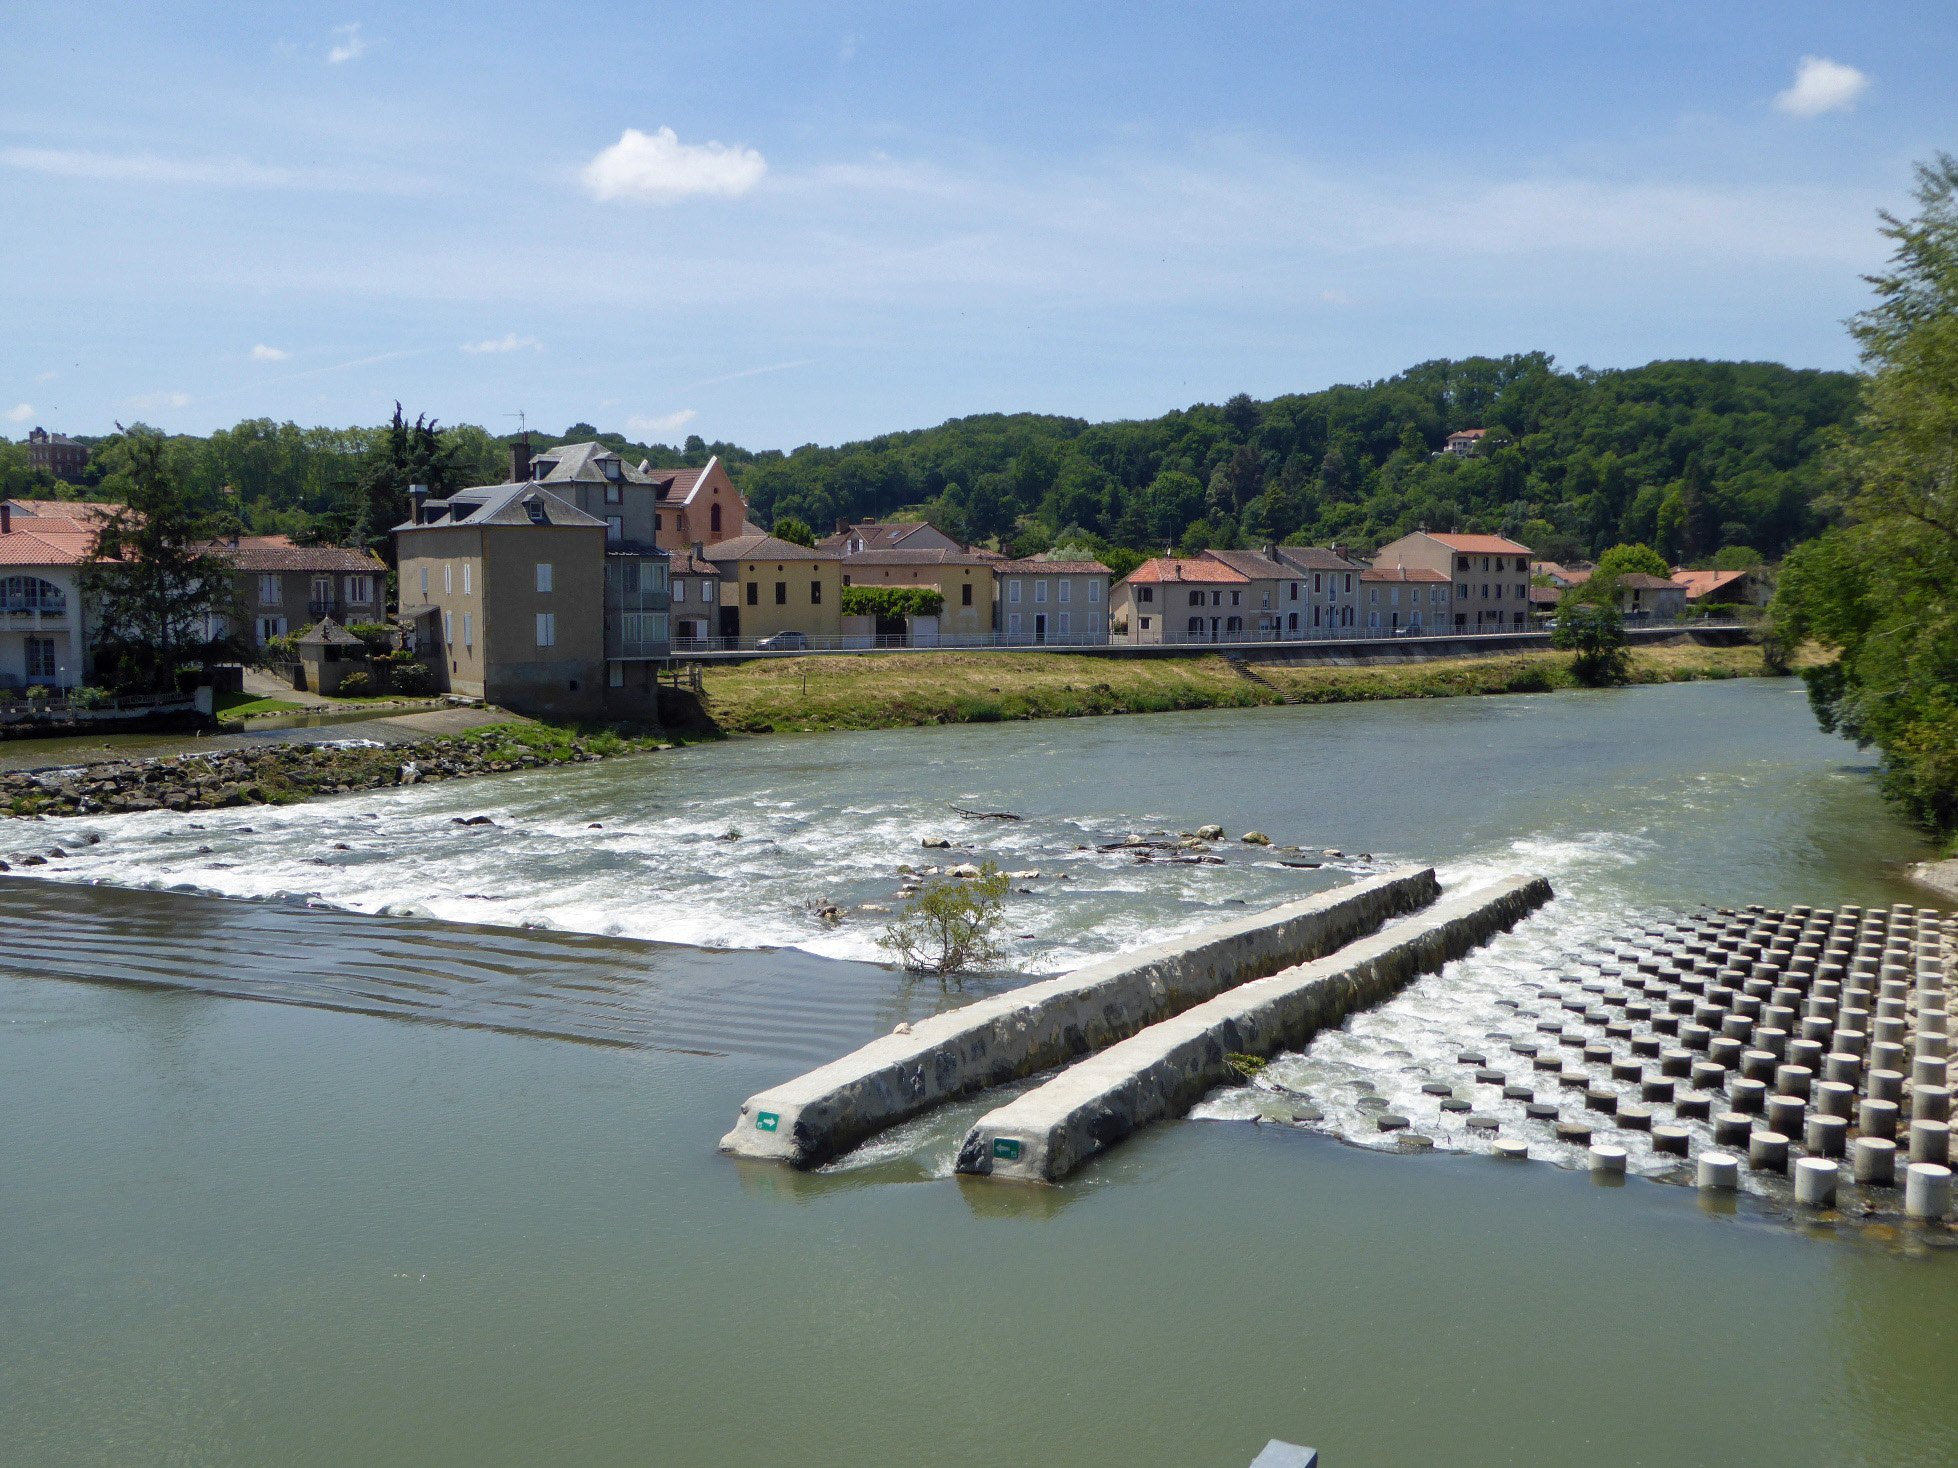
(985, 815)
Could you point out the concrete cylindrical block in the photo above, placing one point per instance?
(1717, 1170)
(1675, 1062)
(1928, 1070)
(1815, 1182)
(1730, 1128)
(1889, 1055)
(1890, 1029)
(1608, 1160)
(1785, 1114)
(1672, 1139)
(1875, 1161)
(1693, 1103)
(1933, 1020)
(1793, 1080)
(1930, 1103)
(1805, 1053)
(1748, 1095)
(1695, 1037)
(1758, 1065)
(1876, 1118)
(1709, 1075)
(1767, 1152)
(1884, 1085)
(1927, 1190)
(1853, 1043)
(1635, 1118)
(1824, 1135)
(1818, 1031)
(1834, 1098)
(1842, 1067)
(1930, 1141)
(1510, 1149)
(1656, 1089)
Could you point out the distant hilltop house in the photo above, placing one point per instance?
(1560, 577)
(1462, 441)
(57, 453)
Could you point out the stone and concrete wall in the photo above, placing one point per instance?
(808, 1120)
(1164, 1070)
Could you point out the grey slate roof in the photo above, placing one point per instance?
(330, 633)
(921, 556)
(582, 463)
(1315, 558)
(1254, 564)
(504, 504)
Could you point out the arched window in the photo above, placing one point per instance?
(714, 519)
(1196, 624)
(31, 594)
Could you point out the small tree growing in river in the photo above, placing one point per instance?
(948, 928)
(1597, 636)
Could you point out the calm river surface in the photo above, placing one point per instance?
(309, 1232)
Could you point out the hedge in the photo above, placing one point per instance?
(892, 602)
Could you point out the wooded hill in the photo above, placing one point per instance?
(1687, 456)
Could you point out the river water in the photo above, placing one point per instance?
(308, 1232)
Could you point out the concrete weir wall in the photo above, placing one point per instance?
(1167, 1068)
(816, 1116)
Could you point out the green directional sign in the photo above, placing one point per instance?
(1007, 1149)
(767, 1121)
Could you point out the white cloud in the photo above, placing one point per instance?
(658, 168)
(350, 47)
(149, 168)
(149, 402)
(660, 423)
(509, 343)
(20, 413)
(263, 353)
(1822, 86)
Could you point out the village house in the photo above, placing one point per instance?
(1176, 599)
(1491, 575)
(57, 454)
(515, 600)
(283, 588)
(1462, 441)
(868, 535)
(1724, 588)
(43, 622)
(642, 507)
(1414, 598)
(1326, 589)
(1274, 586)
(1560, 577)
(1046, 601)
(696, 588)
(328, 652)
(1650, 598)
(773, 588)
(965, 581)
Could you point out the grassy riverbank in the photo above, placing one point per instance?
(895, 691)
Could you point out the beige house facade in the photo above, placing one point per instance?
(284, 588)
(1175, 599)
(1321, 592)
(505, 587)
(1491, 576)
(1402, 600)
(43, 622)
(964, 581)
(1047, 601)
(770, 586)
(873, 535)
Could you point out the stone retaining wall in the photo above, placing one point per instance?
(808, 1120)
(1167, 1068)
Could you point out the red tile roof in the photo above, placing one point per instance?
(1701, 584)
(1494, 545)
(23, 547)
(1404, 573)
(1166, 569)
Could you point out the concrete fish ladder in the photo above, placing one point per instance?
(815, 1117)
(1166, 1069)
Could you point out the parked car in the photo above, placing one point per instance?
(783, 642)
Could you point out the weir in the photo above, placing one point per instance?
(1164, 1070)
(816, 1116)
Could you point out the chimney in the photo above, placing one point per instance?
(520, 459)
(418, 502)
(698, 548)
(6, 518)
(842, 523)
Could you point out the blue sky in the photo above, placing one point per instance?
(778, 225)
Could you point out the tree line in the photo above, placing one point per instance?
(1690, 457)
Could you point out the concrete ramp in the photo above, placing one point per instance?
(1166, 1069)
(815, 1117)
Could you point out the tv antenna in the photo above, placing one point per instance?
(521, 426)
